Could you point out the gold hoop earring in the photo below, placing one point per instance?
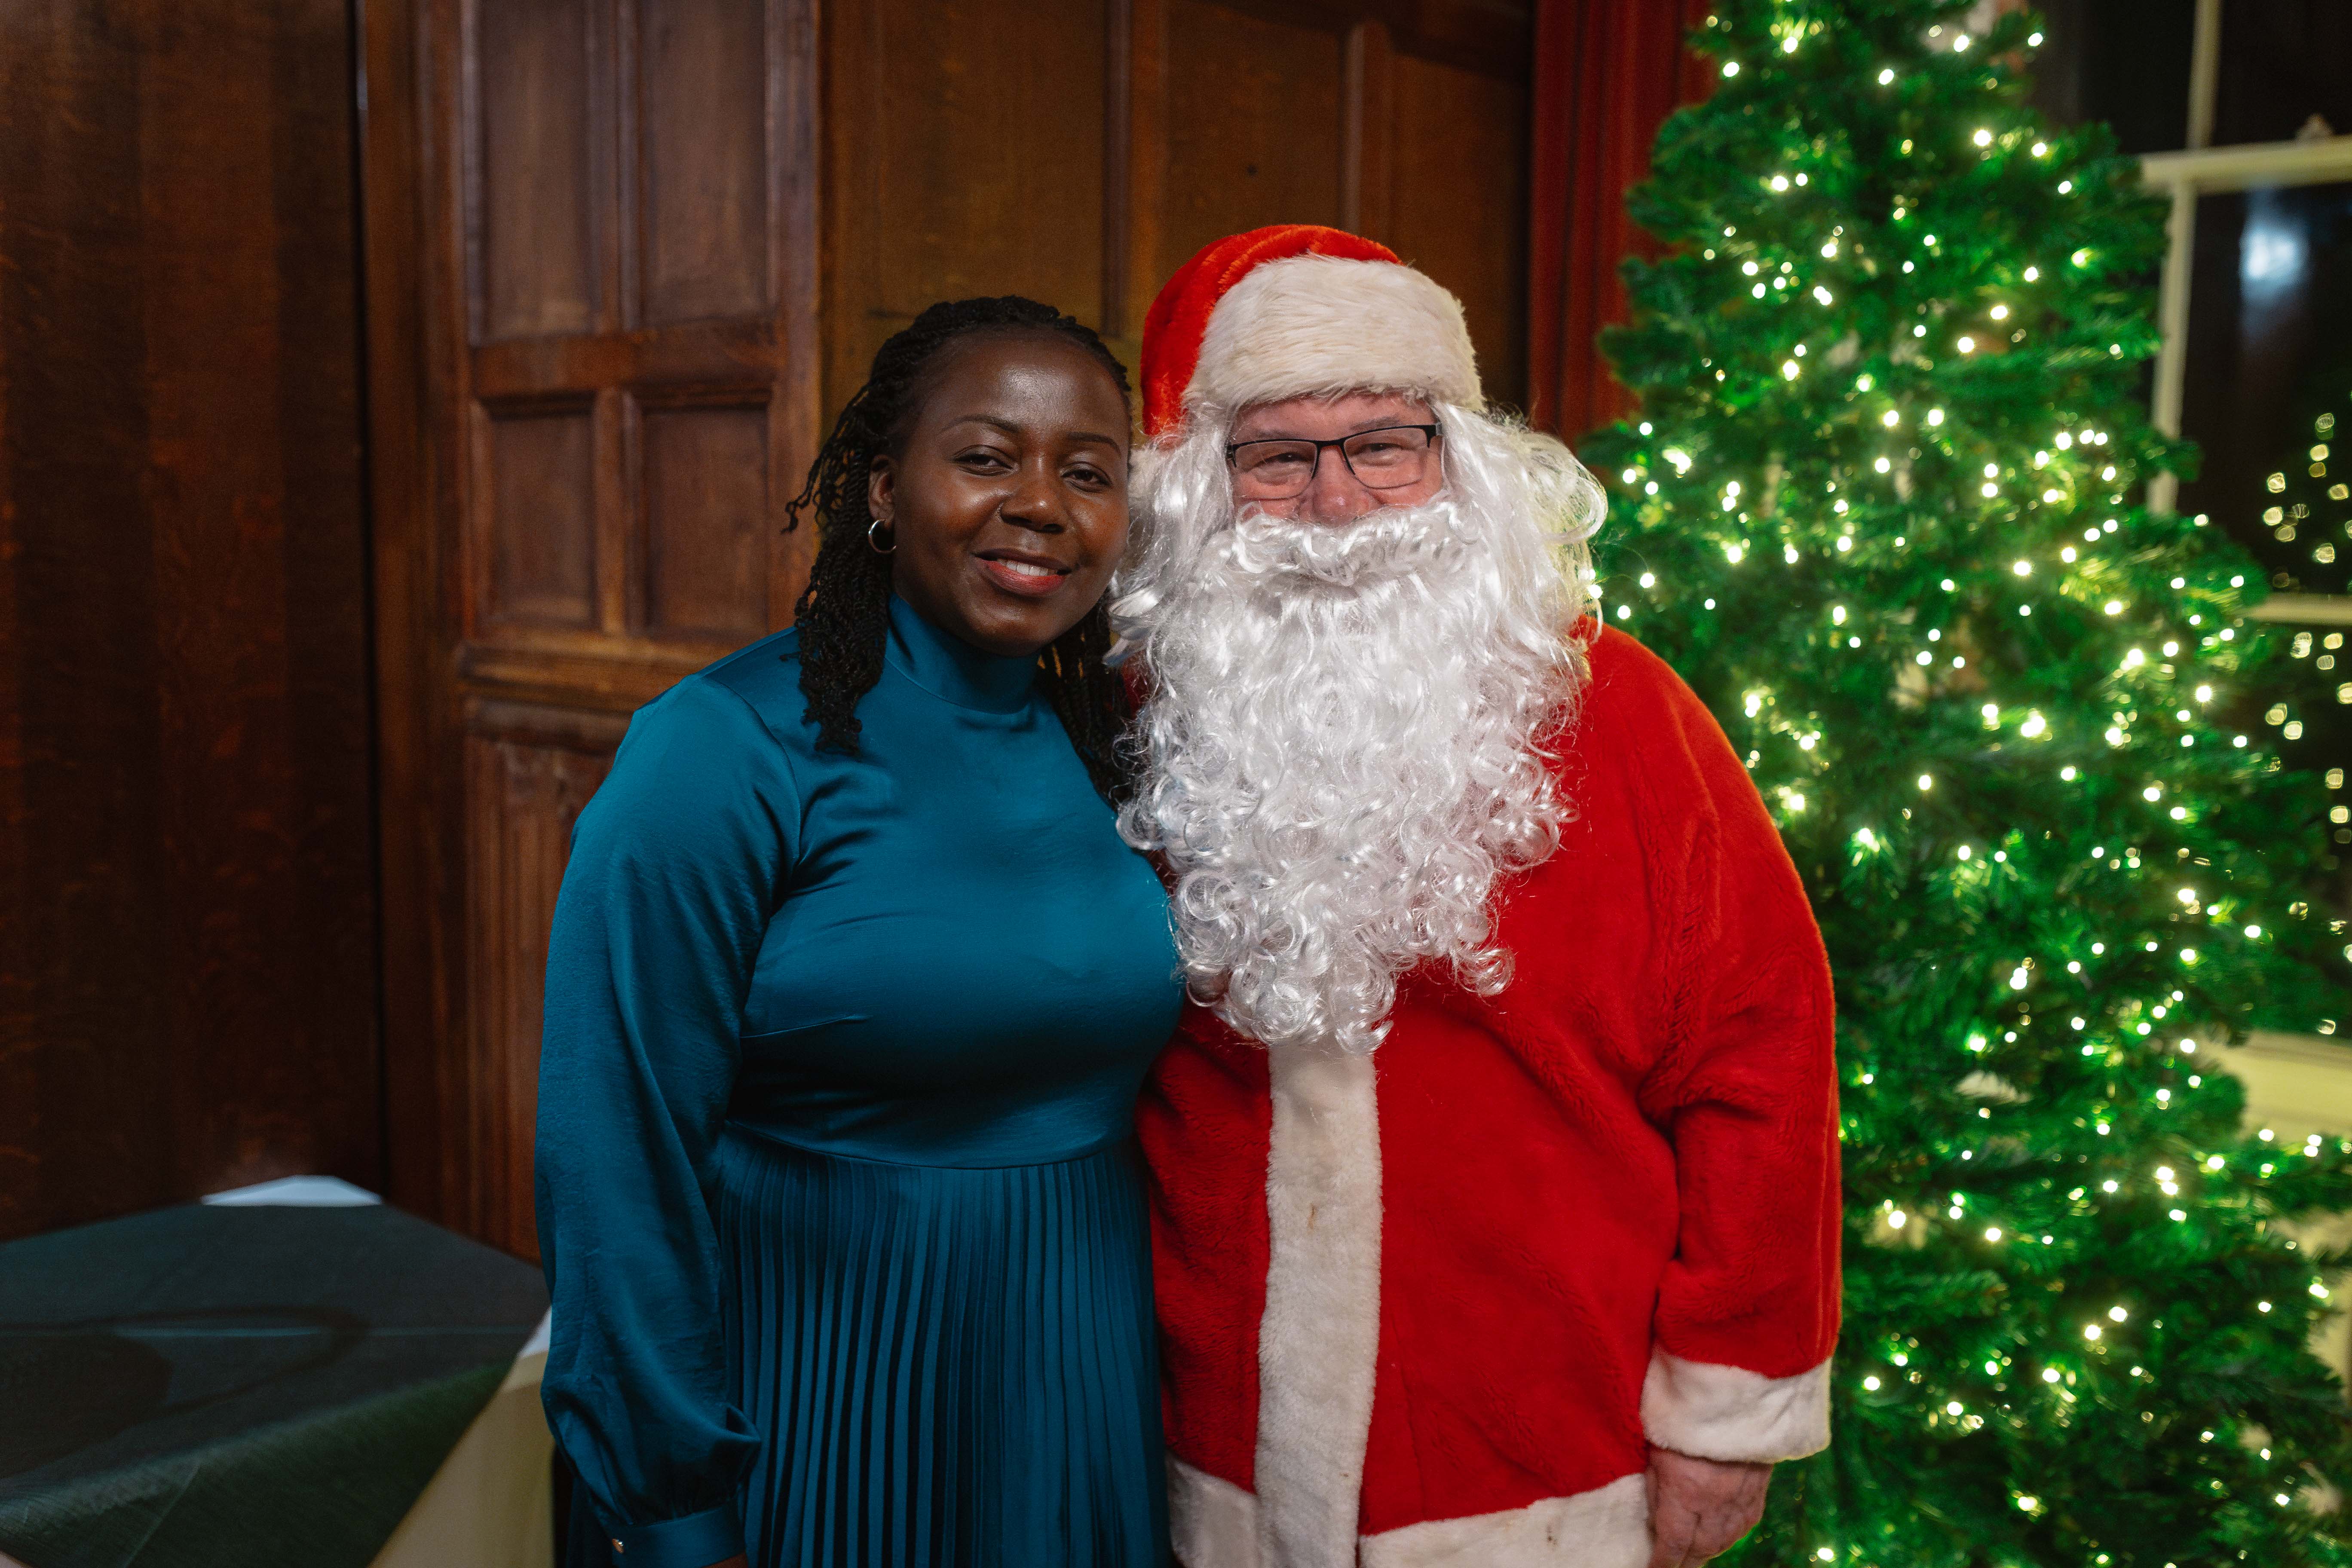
(873, 545)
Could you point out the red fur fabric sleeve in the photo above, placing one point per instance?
(1747, 1088)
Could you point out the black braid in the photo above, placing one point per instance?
(844, 615)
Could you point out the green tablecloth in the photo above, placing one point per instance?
(248, 1386)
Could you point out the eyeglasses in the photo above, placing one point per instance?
(1388, 458)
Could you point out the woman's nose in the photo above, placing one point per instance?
(1035, 502)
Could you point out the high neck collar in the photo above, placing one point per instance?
(952, 669)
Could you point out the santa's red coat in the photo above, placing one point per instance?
(1433, 1307)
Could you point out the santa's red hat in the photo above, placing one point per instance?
(1296, 310)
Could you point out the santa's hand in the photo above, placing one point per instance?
(1699, 1506)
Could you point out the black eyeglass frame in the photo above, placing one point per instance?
(1434, 431)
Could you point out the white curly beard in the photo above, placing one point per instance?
(1347, 725)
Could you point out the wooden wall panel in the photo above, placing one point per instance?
(187, 978)
(1456, 204)
(966, 157)
(530, 770)
(1253, 126)
(539, 480)
(535, 71)
(1079, 151)
(702, 167)
(705, 509)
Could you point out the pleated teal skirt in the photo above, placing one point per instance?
(949, 1366)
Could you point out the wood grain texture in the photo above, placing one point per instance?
(965, 156)
(538, 515)
(704, 510)
(1079, 151)
(1456, 204)
(536, 66)
(1255, 114)
(702, 159)
(187, 974)
(528, 772)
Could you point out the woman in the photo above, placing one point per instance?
(851, 988)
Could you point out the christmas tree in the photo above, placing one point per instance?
(1883, 508)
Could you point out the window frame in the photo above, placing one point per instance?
(2200, 170)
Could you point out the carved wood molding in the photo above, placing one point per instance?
(526, 784)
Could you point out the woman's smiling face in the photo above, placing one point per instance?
(1007, 498)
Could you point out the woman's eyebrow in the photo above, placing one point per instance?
(1010, 428)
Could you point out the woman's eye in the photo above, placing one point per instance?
(1090, 476)
(984, 459)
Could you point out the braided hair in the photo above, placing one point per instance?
(843, 613)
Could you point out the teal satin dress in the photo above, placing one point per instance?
(838, 1189)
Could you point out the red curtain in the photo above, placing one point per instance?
(1606, 74)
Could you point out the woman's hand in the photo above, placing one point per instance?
(1699, 1506)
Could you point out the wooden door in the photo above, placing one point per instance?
(593, 298)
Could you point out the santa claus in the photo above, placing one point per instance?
(1495, 1165)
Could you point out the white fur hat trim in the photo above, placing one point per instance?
(1309, 325)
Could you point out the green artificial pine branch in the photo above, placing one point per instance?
(1881, 509)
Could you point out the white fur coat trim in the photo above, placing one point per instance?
(1213, 1521)
(1606, 1528)
(1215, 1526)
(1324, 323)
(1320, 1335)
(1729, 1413)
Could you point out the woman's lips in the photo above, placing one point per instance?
(1028, 578)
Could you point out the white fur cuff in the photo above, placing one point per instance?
(1729, 1413)
(1311, 324)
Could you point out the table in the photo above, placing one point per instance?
(247, 1384)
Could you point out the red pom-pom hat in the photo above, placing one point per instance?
(1298, 310)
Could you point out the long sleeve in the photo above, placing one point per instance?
(677, 866)
(1747, 1313)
